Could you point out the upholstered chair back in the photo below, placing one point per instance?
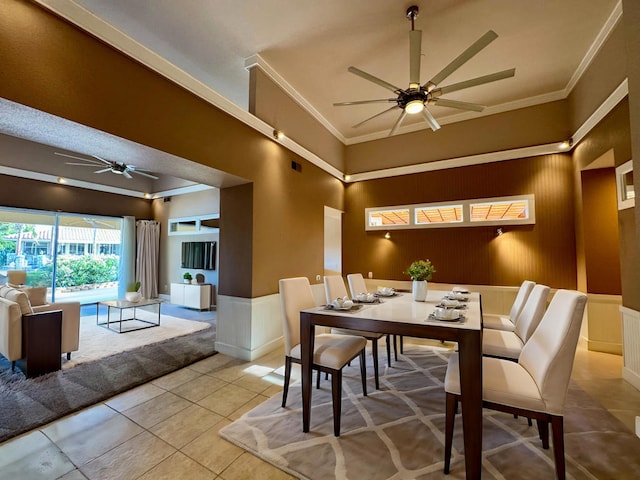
(549, 353)
(295, 295)
(16, 277)
(521, 298)
(334, 287)
(532, 312)
(356, 284)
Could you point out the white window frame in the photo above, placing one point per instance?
(623, 200)
(198, 228)
(466, 214)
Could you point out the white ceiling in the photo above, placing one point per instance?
(309, 44)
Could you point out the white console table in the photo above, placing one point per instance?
(192, 295)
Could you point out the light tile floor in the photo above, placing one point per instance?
(167, 428)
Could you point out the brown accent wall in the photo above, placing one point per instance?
(538, 125)
(613, 133)
(270, 103)
(26, 193)
(236, 234)
(544, 252)
(606, 72)
(602, 250)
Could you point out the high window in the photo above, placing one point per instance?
(515, 210)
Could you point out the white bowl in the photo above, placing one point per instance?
(133, 296)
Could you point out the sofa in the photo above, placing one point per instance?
(19, 301)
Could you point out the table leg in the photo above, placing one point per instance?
(307, 332)
(470, 352)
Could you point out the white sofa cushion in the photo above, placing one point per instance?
(17, 296)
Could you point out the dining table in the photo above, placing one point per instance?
(401, 315)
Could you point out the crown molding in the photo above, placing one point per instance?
(45, 177)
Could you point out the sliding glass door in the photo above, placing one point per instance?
(76, 256)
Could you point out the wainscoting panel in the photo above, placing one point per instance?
(631, 342)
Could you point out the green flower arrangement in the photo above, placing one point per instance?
(133, 287)
(421, 270)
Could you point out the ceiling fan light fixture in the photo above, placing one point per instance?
(414, 106)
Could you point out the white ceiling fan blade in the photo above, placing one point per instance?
(474, 82)
(376, 115)
(364, 102)
(81, 164)
(103, 170)
(106, 162)
(126, 174)
(396, 125)
(430, 119)
(376, 80)
(415, 45)
(143, 174)
(77, 158)
(464, 57)
(443, 102)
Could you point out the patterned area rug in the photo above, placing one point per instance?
(26, 404)
(398, 432)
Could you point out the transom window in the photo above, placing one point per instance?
(440, 214)
(492, 211)
(516, 210)
(389, 217)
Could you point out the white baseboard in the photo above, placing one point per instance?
(632, 377)
(249, 355)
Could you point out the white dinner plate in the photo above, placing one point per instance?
(433, 316)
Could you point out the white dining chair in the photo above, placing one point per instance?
(331, 352)
(334, 287)
(505, 344)
(535, 386)
(357, 286)
(508, 323)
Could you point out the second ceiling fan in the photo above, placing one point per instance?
(415, 99)
(103, 166)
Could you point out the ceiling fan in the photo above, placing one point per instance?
(415, 99)
(108, 166)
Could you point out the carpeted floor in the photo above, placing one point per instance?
(28, 403)
(398, 432)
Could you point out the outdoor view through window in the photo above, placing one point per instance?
(76, 257)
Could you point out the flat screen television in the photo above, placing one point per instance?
(199, 255)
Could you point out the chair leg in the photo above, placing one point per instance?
(450, 417)
(374, 354)
(13, 366)
(389, 350)
(529, 422)
(68, 355)
(287, 377)
(543, 433)
(318, 379)
(363, 372)
(401, 344)
(557, 427)
(336, 391)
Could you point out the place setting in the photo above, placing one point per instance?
(451, 306)
(386, 292)
(367, 298)
(344, 304)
